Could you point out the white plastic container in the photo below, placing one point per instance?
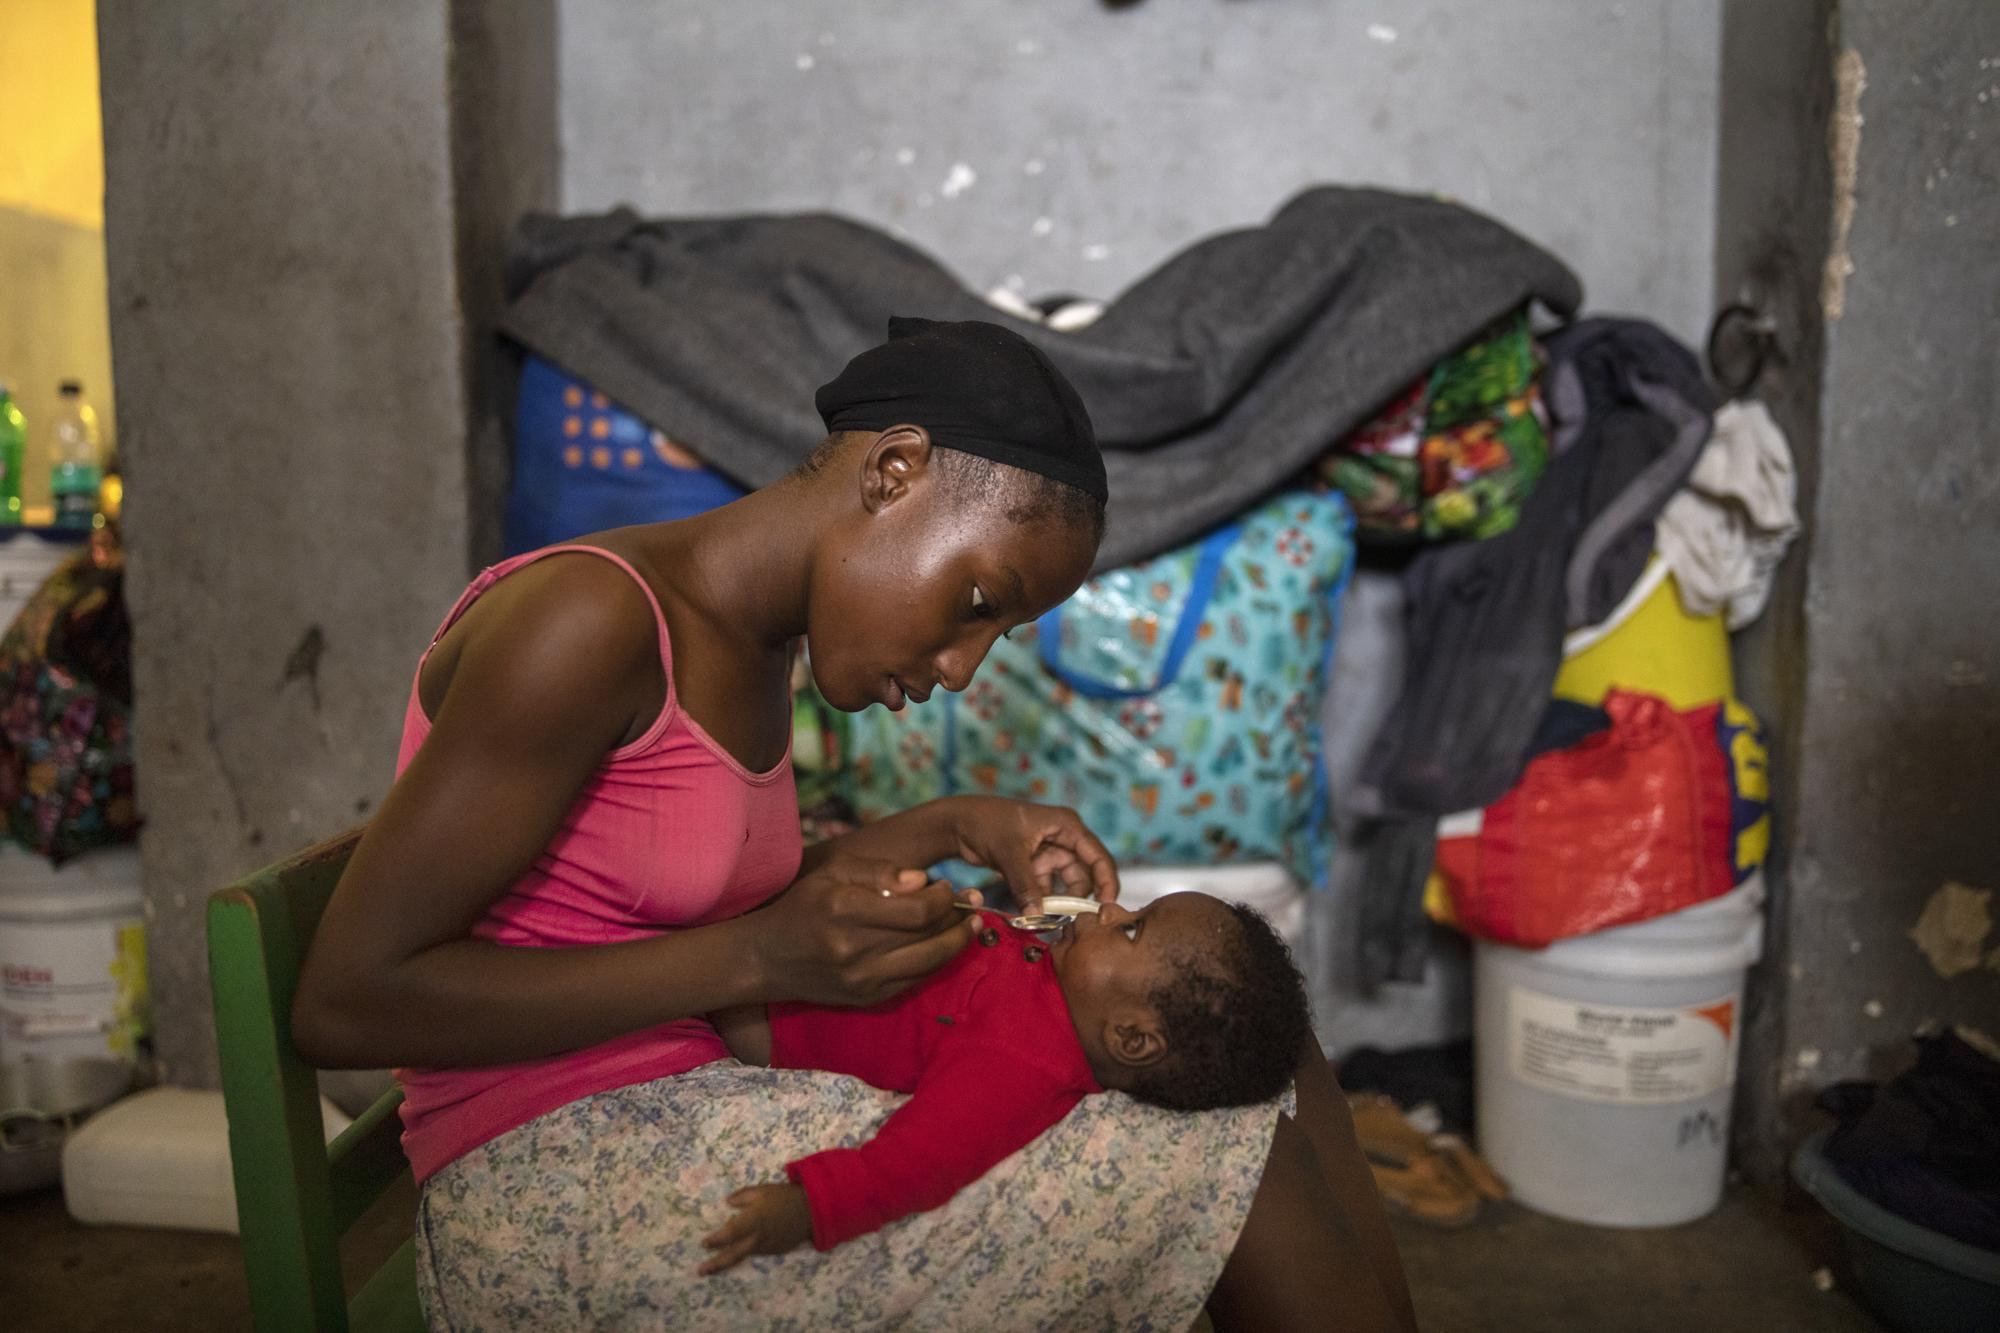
(1266, 886)
(1606, 1063)
(26, 561)
(160, 1158)
(72, 956)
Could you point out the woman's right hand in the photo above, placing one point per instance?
(856, 932)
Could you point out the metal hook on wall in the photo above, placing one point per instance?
(1740, 343)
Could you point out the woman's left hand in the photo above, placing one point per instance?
(1038, 849)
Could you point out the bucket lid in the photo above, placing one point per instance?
(94, 884)
(1717, 920)
(1262, 884)
(1655, 959)
(28, 556)
(41, 545)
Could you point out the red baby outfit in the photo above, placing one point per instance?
(988, 1052)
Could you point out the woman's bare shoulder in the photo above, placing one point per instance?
(569, 623)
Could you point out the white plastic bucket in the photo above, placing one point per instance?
(72, 956)
(1606, 1063)
(26, 561)
(1266, 886)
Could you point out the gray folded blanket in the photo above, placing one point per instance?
(1211, 381)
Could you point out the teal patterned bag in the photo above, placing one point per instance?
(1174, 703)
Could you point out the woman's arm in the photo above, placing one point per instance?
(538, 697)
(746, 1030)
(1037, 849)
(918, 836)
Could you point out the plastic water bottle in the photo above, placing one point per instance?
(76, 460)
(13, 456)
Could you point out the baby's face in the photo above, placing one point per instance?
(1119, 955)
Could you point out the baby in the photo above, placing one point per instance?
(1188, 1003)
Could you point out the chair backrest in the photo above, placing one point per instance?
(296, 1194)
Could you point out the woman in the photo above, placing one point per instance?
(595, 791)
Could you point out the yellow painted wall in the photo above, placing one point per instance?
(54, 326)
(51, 139)
(53, 323)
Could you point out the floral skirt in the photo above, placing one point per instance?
(1119, 1217)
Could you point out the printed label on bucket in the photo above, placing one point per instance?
(72, 989)
(1615, 1053)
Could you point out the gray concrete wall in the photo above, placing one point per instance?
(1860, 169)
(285, 200)
(1899, 780)
(1774, 213)
(1100, 141)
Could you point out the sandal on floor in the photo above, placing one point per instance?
(1383, 1133)
(1427, 1191)
(1477, 1172)
(1435, 1179)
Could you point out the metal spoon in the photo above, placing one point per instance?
(1057, 910)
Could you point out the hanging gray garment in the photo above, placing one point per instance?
(1362, 687)
(1486, 619)
(1211, 381)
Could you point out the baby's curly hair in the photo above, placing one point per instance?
(1234, 1021)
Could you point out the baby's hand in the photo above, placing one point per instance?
(770, 1219)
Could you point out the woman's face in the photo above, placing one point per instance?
(909, 593)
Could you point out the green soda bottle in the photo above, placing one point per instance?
(76, 459)
(13, 458)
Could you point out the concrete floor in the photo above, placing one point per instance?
(1748, 1267)
(60, 1276)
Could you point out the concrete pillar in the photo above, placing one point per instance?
(1856, 206)
(303, 211)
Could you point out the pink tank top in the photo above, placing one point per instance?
(670, 832)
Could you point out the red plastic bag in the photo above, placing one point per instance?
(1630, 824)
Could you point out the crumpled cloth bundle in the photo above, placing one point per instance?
(1725, 533)
(1926, 1144)
(66, 710)
(1457, 452)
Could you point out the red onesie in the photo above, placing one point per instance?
(988, 1051)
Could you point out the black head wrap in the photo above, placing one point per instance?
(977, 388)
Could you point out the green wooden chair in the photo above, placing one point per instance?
(296, 1194)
